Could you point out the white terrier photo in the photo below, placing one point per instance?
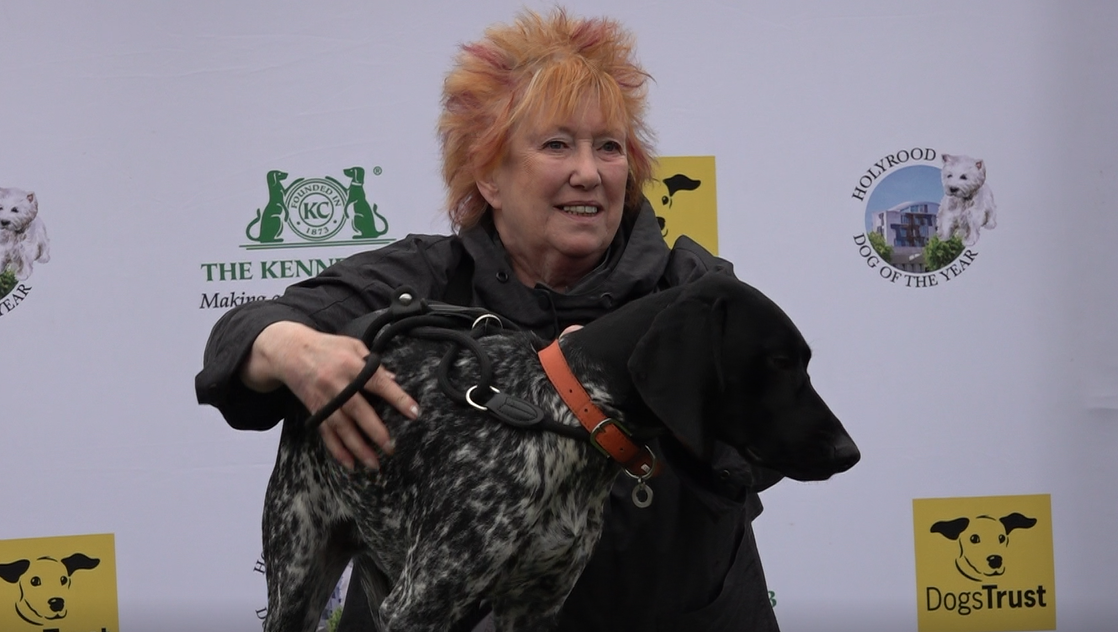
(968, 204)
(23, 237)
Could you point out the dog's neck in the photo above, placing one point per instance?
(608, 342)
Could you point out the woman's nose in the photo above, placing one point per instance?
(584, 170)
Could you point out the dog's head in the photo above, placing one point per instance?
(983, 542)
(962, 175)
(723, 362)
(43, 584)
(17, 209)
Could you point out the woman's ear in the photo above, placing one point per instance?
(488, 189)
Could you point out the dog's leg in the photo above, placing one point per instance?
(300, 577)
(305, 548)
(436, 587)
(535, 616)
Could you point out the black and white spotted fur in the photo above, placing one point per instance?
(470, 510)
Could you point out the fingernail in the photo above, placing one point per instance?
(414, 410)
(372, 465)
(390, 446)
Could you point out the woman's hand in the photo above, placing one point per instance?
(316, 367)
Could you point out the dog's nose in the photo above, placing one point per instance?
(995, 561)
(845, 455)
(57, 604)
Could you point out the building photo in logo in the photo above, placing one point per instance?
(984, 563)
(23, 237)
(317, 211)
(58, 583)
(923, 218)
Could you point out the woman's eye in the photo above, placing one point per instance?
(555, 144)
(612, 146)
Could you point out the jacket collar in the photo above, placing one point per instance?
(637, 259)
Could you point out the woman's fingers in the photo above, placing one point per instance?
(383, 384)
(316, 367)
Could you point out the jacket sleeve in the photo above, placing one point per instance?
(351, 288)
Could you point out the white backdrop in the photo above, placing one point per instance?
(146, 130)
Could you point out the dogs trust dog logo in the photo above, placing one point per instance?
(923, 213)
(984, 564)
(683, 196)
(23, 243)
(299, 213)
(60, 584)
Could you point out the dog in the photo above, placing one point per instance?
(983, 542)
(672, 185)
(274, 214)
(469, 510)
(968, 204)
(23, 236)
(43, 584)
(365, 217)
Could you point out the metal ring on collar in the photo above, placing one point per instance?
(471, 402)
(485, 317)
(649, 469)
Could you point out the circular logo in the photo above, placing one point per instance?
(922, 214)
(316, 208)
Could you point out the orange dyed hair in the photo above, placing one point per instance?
(538, 68)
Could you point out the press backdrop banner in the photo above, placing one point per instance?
(925, 187)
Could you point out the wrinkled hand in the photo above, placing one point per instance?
(316, 367)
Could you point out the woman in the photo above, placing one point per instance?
(545, 152)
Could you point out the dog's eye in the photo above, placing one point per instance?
(974, 539)
(782, 363)
(35, 581)
(62, 580)
(1001, 539)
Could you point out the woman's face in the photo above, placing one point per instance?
(558, 196)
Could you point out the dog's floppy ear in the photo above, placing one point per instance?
(951, 529)
(1016, 521)
(676, 367)
(12, 571)
(79, 562)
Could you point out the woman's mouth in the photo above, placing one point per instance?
(580, 209)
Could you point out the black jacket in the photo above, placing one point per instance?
(689, 561)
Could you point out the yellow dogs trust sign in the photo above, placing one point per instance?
(60, 584)
(984, 564)
(683, 196)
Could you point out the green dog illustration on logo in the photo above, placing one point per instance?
(364, 216)
(271, 219)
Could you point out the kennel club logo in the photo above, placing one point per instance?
(299, 213)
(984, 564)
(683, 196)
(58, 584)
(316, 210)
(23, 243)
(924, 212)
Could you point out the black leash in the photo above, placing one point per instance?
(462, 326)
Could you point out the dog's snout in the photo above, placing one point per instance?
(846, 454)
(57, 604)
(995, 561)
